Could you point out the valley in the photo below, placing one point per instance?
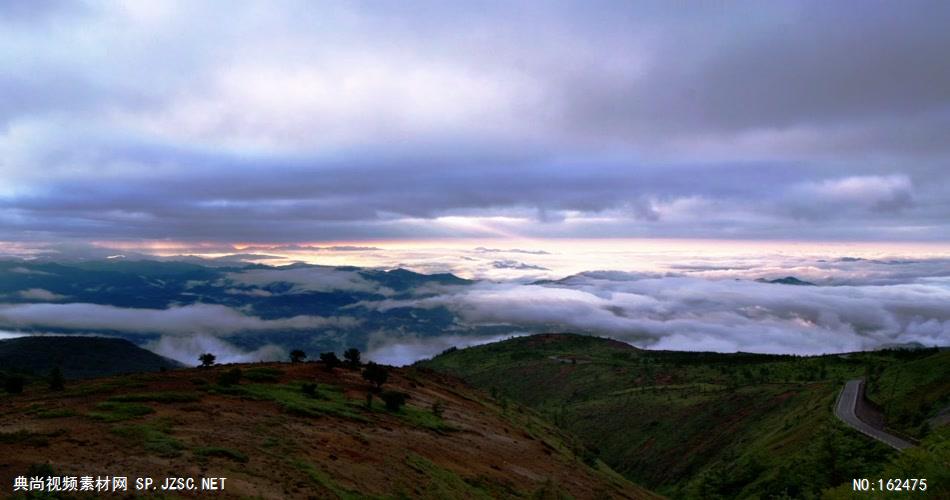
(708, 425)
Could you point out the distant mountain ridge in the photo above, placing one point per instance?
(788, 280)
(79, 357)
(266, 292)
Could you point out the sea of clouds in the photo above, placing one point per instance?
(682, 313)
(857, 304)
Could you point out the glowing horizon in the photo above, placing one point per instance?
(504, 258)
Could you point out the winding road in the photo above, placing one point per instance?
(845, 410)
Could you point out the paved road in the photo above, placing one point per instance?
(844, 410)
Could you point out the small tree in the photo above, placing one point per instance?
(296, 356)
(394, 399)
(207, 359)
(376, 375)
(13, 384)
(330, 361)
(56, 380)
(352, 357)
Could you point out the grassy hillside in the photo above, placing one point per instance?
(930, 460)
(78, 357)
(298, 431)
(698, 425)
(912, 393)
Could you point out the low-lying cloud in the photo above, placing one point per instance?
(186, 350)
(681, 313)
(510, 250)
(517, 265)
(311, 279)
(404, 350)
(185, 320)
(40, 294)
(699, 301)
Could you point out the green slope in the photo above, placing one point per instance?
(698, 425)
(911, 393)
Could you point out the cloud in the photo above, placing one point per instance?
(186, 350)
(347, 248)
(401, 350)
(11, 335)
(253, 292)
(681, 313)
(311, 248)
(349, 123)
(246, 257)
(309, 278)
(706, 301)
(185, 320)
(510, 250)
(40, 294)
(23, 270)
(514, 264)
(831, 197)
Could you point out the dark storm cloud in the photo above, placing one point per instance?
(290, 122)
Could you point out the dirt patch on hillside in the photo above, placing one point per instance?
(271, 442)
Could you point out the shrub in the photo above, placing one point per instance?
(296, 356)
(309, 389)
(153, 436)
(438, 407)
(157, 397)
(207, 359)
(40, 470)
(217, 451)
(13, 384)
(56, 413)
(376, 374)
(230, 377)
(330, 361)
(267, 375)
(56, 380)
(394, 400)
(352, 357)
(115, 411)
(25, 437)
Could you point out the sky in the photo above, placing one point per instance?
(651, 160)
(209, 126)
